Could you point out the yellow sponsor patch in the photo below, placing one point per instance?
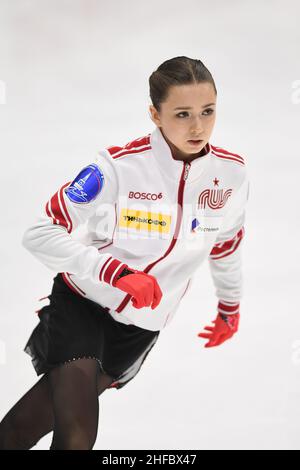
(143, 220)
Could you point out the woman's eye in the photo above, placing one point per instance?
(209, 109)
(182, 112)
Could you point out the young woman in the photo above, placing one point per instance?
(155, 210)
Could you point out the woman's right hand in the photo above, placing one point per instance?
(142, 287)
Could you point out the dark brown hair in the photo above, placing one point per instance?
(176, 71)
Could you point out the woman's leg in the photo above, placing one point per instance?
(75, 404)
(29, 419)
(32, 416)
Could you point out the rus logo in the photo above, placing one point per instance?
(213, 198)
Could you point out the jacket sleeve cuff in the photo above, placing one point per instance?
(110, 271)
(228, 308)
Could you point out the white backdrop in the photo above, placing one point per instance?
(74, 78)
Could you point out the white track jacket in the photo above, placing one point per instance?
(154, 213)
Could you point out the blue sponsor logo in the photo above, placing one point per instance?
(87, 185)
(195, 223)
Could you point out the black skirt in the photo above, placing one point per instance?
(72, 327)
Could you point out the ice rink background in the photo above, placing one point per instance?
(74, 78)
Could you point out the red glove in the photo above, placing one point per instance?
(142, 287)
(224, 328)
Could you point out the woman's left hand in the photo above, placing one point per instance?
(224, 328)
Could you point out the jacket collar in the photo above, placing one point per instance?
(169, 164)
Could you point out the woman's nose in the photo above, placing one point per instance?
(197, 126)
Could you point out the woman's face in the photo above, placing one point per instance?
(179, 125)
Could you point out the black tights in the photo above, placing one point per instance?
(65, 401)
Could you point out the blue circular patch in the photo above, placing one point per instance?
(87, 185)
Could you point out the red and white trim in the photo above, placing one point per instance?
(56, 209)
(135, 146)
(225, 155)
(71, 284)
(228, 308)
(110, 270)
(222, 249)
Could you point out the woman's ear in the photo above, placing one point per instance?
(154, 116)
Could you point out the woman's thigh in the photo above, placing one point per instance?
(32, 417)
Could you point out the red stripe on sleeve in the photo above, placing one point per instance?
(228, 308)
(56, 211)
(65, 207)
(112, 270)
(103, 267)
(220, 250)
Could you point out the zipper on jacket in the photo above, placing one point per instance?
(183, 178)
(187, 167)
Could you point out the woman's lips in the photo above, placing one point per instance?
(195, 142)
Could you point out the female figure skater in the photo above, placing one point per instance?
(172, 200)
